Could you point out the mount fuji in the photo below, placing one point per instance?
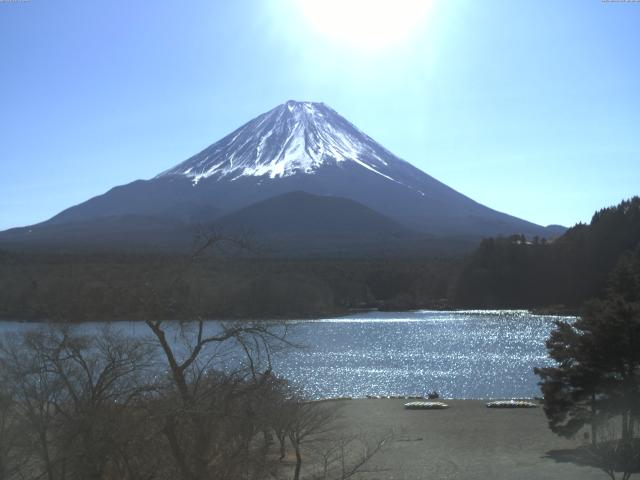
(288, 174)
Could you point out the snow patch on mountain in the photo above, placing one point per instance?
(293, 138)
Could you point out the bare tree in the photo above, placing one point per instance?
(280, 405)
(344, 455)
(214, 371)
(333, 452)
(11, 461)
(72, 396)
(309, 420)
(36, 392)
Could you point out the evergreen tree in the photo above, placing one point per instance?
(597, 371)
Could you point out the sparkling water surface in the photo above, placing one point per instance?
(460, 354)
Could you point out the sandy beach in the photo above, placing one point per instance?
(466, 441)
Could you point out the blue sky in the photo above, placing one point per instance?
(530, 107)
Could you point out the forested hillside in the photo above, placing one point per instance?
(514, 272)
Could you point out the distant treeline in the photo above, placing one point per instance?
(512, 272)
(97, 287)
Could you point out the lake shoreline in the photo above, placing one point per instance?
(413, 398)
(539, 311)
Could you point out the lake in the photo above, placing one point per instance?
(460, 354)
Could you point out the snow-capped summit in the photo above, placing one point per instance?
(293, 138)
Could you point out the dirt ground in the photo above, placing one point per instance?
(467, 441)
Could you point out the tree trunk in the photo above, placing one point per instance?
(283, 448)
(593, 420)
(45, 454)
(266, 436)
(176, 450)
(625, 427)
(296, 475)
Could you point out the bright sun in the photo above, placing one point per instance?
(368, 25)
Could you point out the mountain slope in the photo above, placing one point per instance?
(117, 232)
(299, 222)
(299, 147)
(301, 213)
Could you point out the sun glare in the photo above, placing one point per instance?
(368, 25)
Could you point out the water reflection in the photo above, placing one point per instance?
(463, 354)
